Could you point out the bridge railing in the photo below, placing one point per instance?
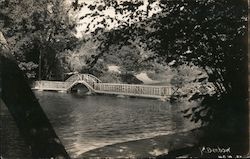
(93, 78)
(86, 77)
(74, 78)
(131, 89)
(95, 85)
(52, 85)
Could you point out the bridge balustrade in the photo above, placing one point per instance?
(133, 89)
(95, 85)
(52, 85)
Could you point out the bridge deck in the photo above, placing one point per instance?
(96, 86)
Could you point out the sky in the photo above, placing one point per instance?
(107, 14)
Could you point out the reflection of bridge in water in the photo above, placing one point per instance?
(95, 85)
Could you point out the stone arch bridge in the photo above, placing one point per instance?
(95, 85)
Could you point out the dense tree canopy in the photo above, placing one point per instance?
(36, 27)
(206, 33)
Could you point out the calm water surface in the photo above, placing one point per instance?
(89, 122)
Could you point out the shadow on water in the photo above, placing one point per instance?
(12, 144)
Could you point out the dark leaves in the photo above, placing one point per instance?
(75, 5)
(101, 8)
(92, 7)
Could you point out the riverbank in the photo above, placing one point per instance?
(151, 147)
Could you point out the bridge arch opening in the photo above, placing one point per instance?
(80, 88)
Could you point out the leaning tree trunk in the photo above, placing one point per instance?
(31, 120)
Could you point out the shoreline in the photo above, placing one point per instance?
(149, 147)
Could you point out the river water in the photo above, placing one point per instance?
(88, 122)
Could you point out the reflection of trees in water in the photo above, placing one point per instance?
(62, 115)
(176, 118)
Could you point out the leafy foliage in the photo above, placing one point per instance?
(206, 33)
(37, 27)
(210, 34)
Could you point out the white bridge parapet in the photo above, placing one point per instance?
(134, 90)
(96, 86)
(52, 85)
